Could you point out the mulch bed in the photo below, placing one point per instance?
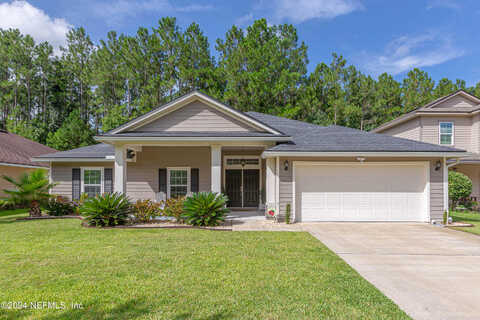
(51, 217)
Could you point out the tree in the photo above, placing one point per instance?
(31, 188)
(262, 68)
(459, 187)
(73, 133)
(416, 90)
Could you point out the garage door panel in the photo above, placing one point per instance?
(359, 192)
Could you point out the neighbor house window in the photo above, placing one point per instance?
(92, 181)
(178, 182)
(446, 133)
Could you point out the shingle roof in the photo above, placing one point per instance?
(299, 137)
(308, 137)
(15, 149)
(95, 151)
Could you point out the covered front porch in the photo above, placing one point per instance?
(159, 172)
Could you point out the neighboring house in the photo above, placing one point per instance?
(15, 157)
(454, 121)
(196, 143)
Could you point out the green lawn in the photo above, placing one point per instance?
(178, 274)
(470, 217)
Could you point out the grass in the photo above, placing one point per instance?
(4, 213)
(469, 217)
(178, 274)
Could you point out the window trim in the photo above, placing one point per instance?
(82, 177)
(440, 133)
(188, 169)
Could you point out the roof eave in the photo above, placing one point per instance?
(111, 139)
(73, 159)
(446, 154)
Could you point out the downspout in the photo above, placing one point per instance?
(445, 184)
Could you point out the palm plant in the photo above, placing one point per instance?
(30, 189)
(205, 209)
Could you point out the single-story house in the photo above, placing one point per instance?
(196, 143)
(16, 154)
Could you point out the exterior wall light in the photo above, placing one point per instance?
(285, 165)
(438, 165)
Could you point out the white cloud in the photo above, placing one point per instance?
(115, 12)
(449, 4)
(35, 22)
(298, 11)
(407, 52)
(244, 20)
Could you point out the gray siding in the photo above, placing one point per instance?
(436, 183)
(142, 175)
(408, 130)
(462, 127)
(62, 175)
(196, 116)
(456, 102)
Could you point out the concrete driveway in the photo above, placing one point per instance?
(430, 272)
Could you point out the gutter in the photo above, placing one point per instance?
(107, 158)
(271, 154)
(188, 139)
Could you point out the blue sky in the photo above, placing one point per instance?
(439, 36)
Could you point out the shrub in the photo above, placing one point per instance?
(205, 209)
(173, 207)
(288, 213)
(145, 210)
(59, 206)
(459, 187)
(30, 189)
(109, 209)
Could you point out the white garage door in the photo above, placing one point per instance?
(361, 192)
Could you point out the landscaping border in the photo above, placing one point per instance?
(159, 226)
(51, 217)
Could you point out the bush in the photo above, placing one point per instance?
(288, 212)
(145, 210)
(59, 206)
(205, 209)
(173, 208)
(459, 187)
(107, 210)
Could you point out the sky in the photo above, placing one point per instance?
(394, 36)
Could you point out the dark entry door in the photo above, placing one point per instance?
(251, 180)
(233, 187)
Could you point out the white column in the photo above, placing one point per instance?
(216, 168)
(120, 179)
(270, 184)
(277, 185)
(445, 187)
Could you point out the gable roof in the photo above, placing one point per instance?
(430, 108)
(184, 100)
(307, 137)
(304, 138)
(16, 150)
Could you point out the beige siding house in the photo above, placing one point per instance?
(454, 121)
(262, 163)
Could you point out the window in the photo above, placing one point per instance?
(178, 182)
(92, 181)
(446, 133)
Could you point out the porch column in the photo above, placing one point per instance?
(216, 168)
(120, 179)
(270, 184)
(277, 185)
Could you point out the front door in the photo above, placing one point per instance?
(233, 187)
(242, 180)
(251, 187)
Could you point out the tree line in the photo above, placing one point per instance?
(62, 99)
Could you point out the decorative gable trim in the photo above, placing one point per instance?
(183, 101)
(462, 93)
